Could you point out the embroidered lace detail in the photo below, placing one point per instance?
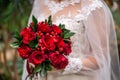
(54, 7)
(74, 66)
(84, 13)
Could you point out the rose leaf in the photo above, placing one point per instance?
(38, 68)
(15, 44)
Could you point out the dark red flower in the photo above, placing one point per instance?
(26, 29)
(24, 51)
(49, 43)
(37, 57)
(61, 43)
(56, 29)
(28, 35)
(43, 27)
(67, 49)
(58, 60)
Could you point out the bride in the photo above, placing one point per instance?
(94, 53)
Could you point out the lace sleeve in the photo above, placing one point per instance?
(74, 66)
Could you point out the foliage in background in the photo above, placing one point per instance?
(14, 15)
(116, 16)
(115, 9)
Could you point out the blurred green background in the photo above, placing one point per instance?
(14, 15)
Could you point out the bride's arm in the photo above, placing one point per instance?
(98, 33)
(86, 63)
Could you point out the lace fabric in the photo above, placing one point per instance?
(82, 14)
(85, 12)
(74, 66)
(55, 7)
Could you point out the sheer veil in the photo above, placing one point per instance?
(101, 35)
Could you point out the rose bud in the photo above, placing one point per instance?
(42, 48)
(60, 49)
(57, 52)
(39, 44)
(38, 48)
(47, 34)
(51, 36)
(40, 40)
(52, 33)
(31, 24)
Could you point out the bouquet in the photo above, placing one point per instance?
(44, 45)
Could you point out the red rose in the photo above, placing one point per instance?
(24, 51)
(67, 49)
(28, 35)
(61, 43)
(58, 60)
(49, 43)
(56, 29)
(43, 27)
(37, 57)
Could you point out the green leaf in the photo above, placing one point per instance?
(15, 44)
(34, 20)
(38, 68)
(36, 46)
(33, 44)
(43, 70)
(17, 36)
(68, 35)
(50, 20)
(62, 26)
(35, 23)
(65, 31)
(49, 67)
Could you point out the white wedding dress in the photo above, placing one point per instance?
(94, 53)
